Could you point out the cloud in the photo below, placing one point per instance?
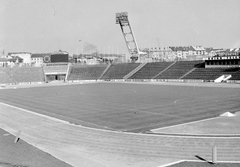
(236, 44)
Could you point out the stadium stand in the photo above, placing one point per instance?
(236, 74)
(210, 74)
(5, 76)
(106, 69)
(118, 71)
(134, 71)
(21, 74)
(185, 70)
(150, 70)
(179, 69)
(86, 72)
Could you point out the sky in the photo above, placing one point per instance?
(76, 26)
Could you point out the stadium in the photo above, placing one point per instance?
(152, 107)
(126, 114)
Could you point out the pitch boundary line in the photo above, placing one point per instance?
(172, 126)
(103, 130)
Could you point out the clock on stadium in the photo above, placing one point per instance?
(47, 59)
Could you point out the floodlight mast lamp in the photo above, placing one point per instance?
(122, 19)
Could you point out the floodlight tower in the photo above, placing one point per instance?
(122, 19)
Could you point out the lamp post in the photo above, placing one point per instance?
(79, 46)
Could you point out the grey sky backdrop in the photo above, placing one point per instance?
(49, 25)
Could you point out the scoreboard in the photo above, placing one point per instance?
(56, 58)
(59, 58)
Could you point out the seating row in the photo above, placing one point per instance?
(118, 71)
(86, 72)
(21, 74)
(213, 73)
(150, 70)
(179, 69)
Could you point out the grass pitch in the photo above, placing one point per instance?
(125, 107)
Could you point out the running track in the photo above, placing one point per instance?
(87, 147)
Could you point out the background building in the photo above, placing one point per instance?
(26, 56)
